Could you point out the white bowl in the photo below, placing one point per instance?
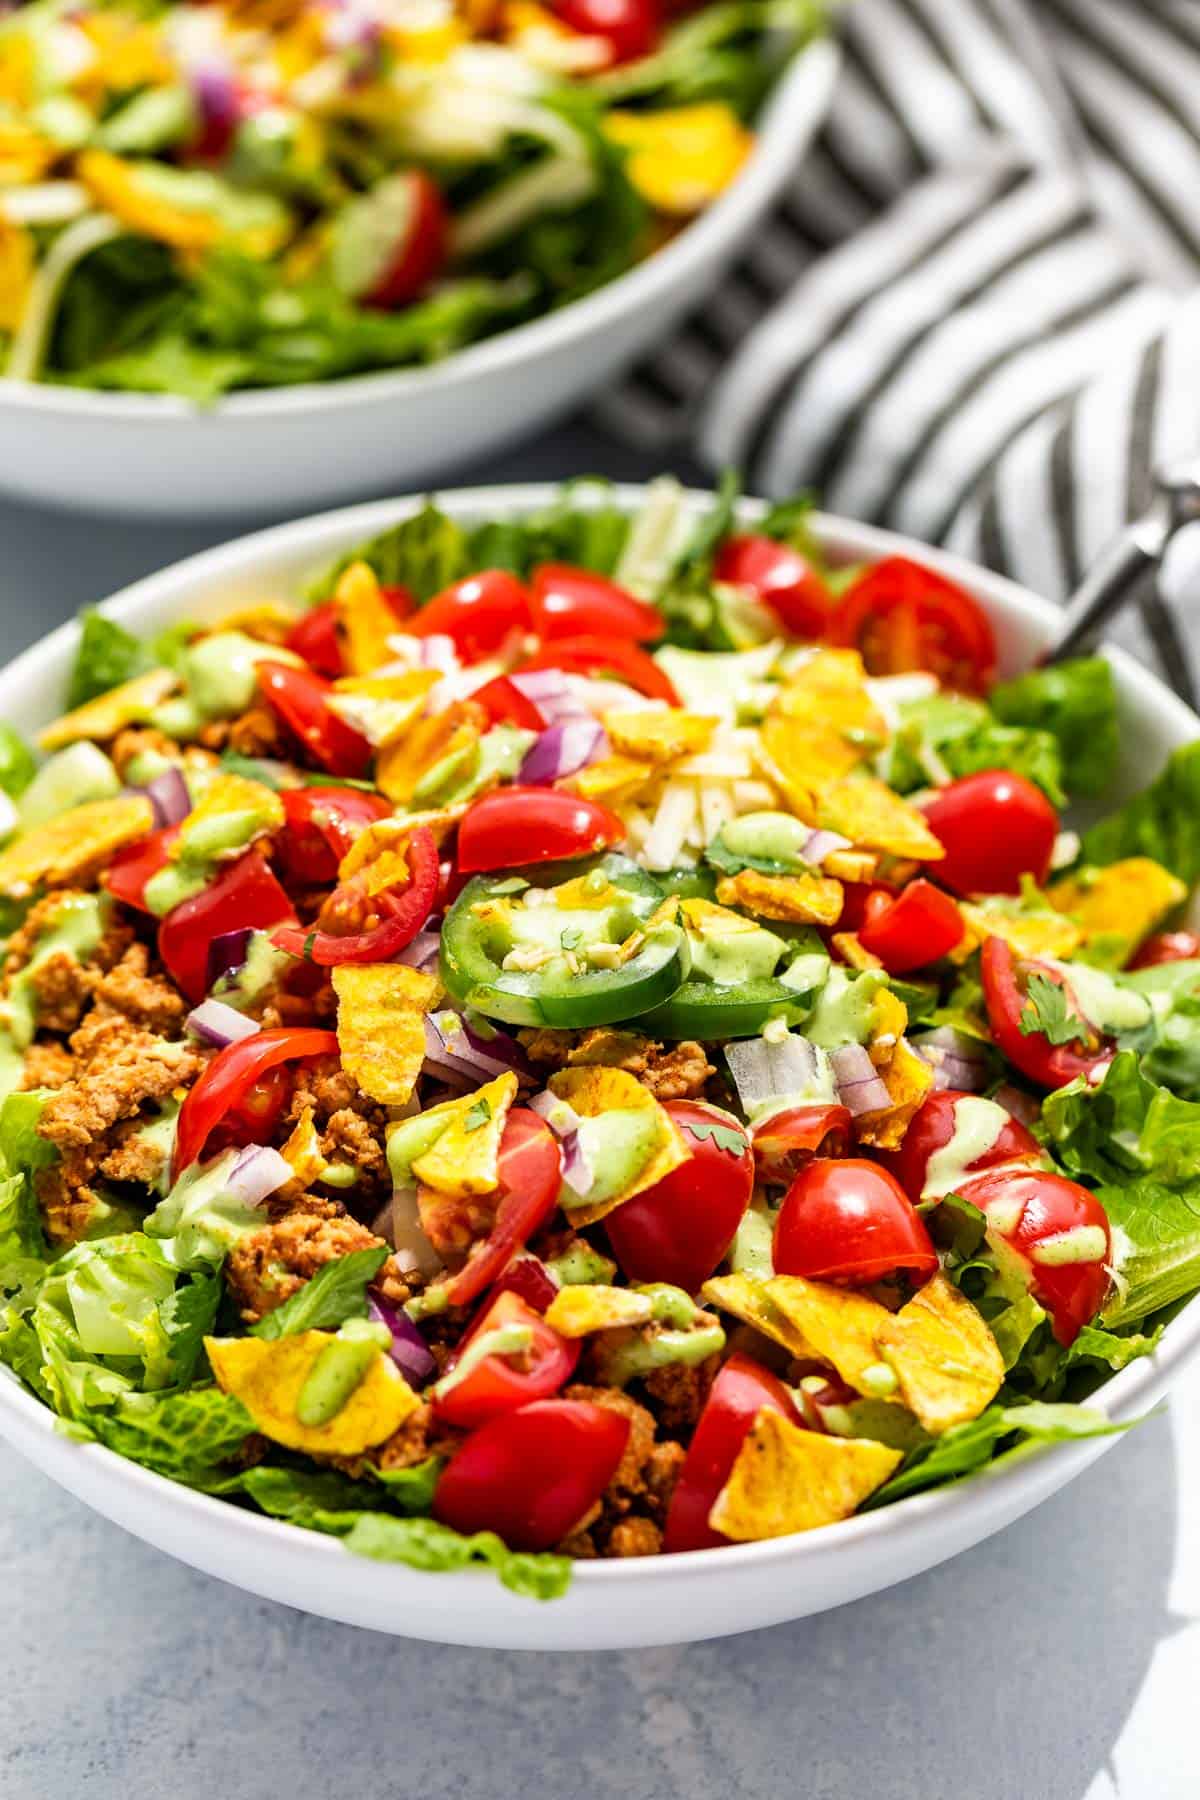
(662, 1600)
(279, 450)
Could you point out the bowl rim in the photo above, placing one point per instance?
(1120, 1398)
(784, 120)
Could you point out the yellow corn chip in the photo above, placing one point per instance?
(382, 707)
(594, 1090)
(851, 865)
(582, 1308)
(838, 1325)
(866, 811)
(803, 759)
(830, 691)
(746, 1297)
(102, 718)
(851, 951)
(800, 899)
(889, 1018)
(225, 799)
(659, 736)
(303, 1151)
(268, 621)
(1129, 899)
(403, 764)
(945, 1357)
(908, 1080)
(268, 1376)
(465, 1159)
(1030, 934)
(74, 846)
(785, 1479)
(381, 1026)
(681, 157)
(118, 187)
(365, 620)
(612, 779)
(391, 834)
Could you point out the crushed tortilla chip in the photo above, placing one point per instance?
(1127, 900)
(865, 810)
(593, 1090)
(799, 899)
(382, 707)
(848, 947)
(838, 1325)
(908, 1080)
(681, 157)
(224, 799)
(381, 1026)
(659, 736)
(73, 846)
(583, 1307)
(102, 718)
(803, 759)
(391, 834)
(612, 779)
(785, 1479)
(404, 763)
(946, 1360)
(829, 692)
(267, 1376)
(746, 1297)
(1031, 934)
(303, 1152)
(267, 621)
(365, 621)
(851, 865)
(465, 1158)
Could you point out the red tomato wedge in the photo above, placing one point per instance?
(782, 578)
(910, 929)
(1050, 1065)
(630, 27)
(480, 613)
(588, 655)
(244, 893)
(412, 208)
(505, 704)
(570, 602)
(518, 825)
(901, 616)
(322, 823)
(994, 827)
(231, 1073)
(501, 1381)
(932, 1128)
(787, 1140)
(530, 1176)
(850, 1222)
(679, 1229)
(1060, 1233)
(532, 1474)
(132, 867)
(740, 1392)
(1167, 947)
(301, 700)
(380, 924)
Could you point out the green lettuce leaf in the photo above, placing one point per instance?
(1076, 703)
(569, 530)
(1162, 822)
(1126, 1128)
(187, 1435)
(337, 1292)
(1156, 1244)
(107, 656)
(949, 735)
(16, 761)
(425, 1544)
(1170, 1053)
(116, 1300)
(965, 1449)
(324, 1500)
(732, 52)
(423, 554)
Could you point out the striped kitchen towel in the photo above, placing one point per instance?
(976, 315)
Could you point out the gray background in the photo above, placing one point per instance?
(1057, 1662)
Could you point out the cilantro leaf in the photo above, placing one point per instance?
(723, 1137)
(1045, 1012)
(337, 1292)
(478, 1115)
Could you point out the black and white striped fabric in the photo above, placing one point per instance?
(976, 315)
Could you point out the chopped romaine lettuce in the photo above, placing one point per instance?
(1076, 703)
(1162, 822)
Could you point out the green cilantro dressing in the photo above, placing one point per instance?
(845, 1009)
(340, 1368)
(617, 1146)
(79, 924)
(978, 1124)
(218, 674)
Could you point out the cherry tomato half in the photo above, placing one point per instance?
(379, 924)
(499, 1382)
(1050, 1065)
(588, 655)
(630, 26)
(315, 638)
(933, 1127)
(1037, 1215)
(132, 867)
(994, 827)
(569, 602)
(781, 577)
(517, 825)
(231, 1073)
(532, 1474)
(679, 1229)
(300, 699)
(530, 1176)
(244, 893)
(849, 1221)
(908, 930)
(1167, 947)
(786, 1141)
(901, 616)
(417, 215)
(740, 1392)
(479, 613)
(322, 823)
(505, 704)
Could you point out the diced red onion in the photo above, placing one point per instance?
(437, 651)
(409, 1351)
(577, 1171)
(958, 1061)
(763, 1072)
(456, 1051)
(215, 93)
(226, 953)
(541, 685)
(219, 1024)
(528, 1277)
(821, 844)
(258, 1173)
(859, 1087)
(1017, 1104)
(561, 750)
(168, 795)
(423, 951)
(559, 1116)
